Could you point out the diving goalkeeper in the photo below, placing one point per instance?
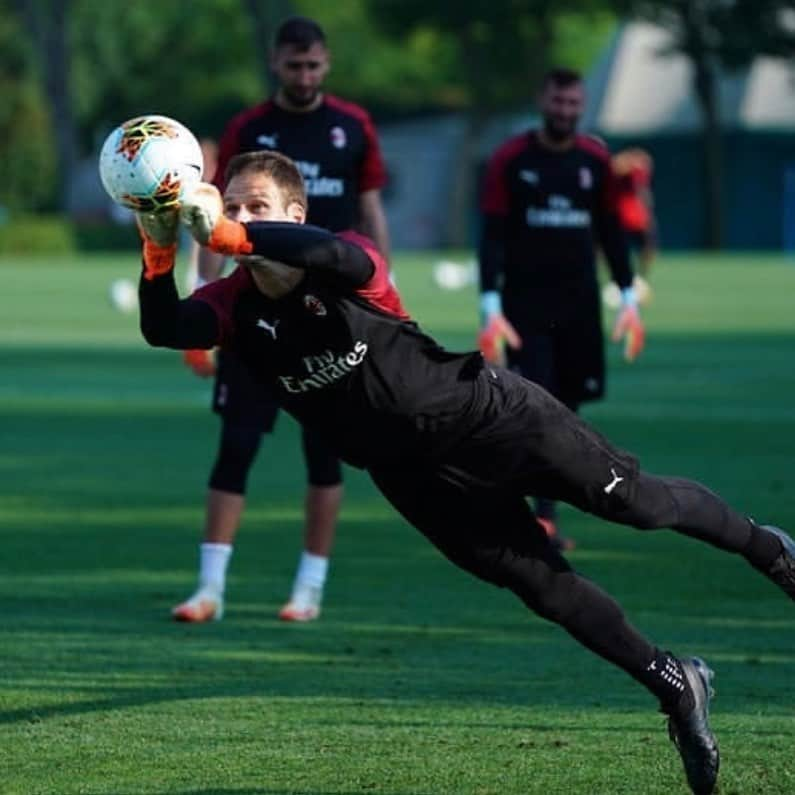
(453, 443)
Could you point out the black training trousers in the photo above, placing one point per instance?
(472, 506)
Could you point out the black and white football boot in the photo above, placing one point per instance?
(782, 570)
(688, 727)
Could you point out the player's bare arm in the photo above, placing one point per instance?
(373, 220)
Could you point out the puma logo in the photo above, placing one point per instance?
(616, 480)
(271, 329)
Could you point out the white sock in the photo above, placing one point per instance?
(312, 571)
(213, 560)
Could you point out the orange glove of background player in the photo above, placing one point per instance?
(496, 331)
(200, 361)
(159, 232)
(629, 327)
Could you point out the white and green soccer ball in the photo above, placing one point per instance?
(148, 163)
(123, 295)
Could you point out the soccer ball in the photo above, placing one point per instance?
(148, 163)
(449, 275)
(123, 296)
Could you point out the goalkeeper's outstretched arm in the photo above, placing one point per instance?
(168, 322)
(311, 248)
(293, 244)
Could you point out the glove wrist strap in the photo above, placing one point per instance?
(158, 260)
(229, 237)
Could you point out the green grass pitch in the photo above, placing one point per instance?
(417, 680)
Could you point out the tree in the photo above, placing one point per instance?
(46, 25)
(143, 57)
(498, 52)
(266, 16)
(99, 63)
(27, 162)
(717, 35)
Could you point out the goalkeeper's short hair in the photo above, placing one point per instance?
(280, 168)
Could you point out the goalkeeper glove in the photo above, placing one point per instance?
(628, 326)
(202, 212)
(495, 331)
(202, 362)
(159, 232)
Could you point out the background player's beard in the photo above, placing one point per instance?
(303, 100)
(559, 131)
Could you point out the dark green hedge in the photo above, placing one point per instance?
(52, 234)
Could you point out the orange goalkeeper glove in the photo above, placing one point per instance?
(496, 331)
(200, 361)
(159, 232)
(629, 327)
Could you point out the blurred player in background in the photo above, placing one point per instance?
(547, 201)
(633, 169)
(335, 146)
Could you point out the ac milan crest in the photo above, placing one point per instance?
(314, 305)
(338, 138)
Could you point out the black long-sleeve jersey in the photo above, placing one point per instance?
(335, 147)
(544, 213)
(339, 350)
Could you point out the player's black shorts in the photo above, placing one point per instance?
(250, 406)
(240, 398)
(568, 358)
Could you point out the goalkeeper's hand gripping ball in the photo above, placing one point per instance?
(202, 212)
(159, 232)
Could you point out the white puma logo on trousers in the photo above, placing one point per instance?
(616, 480)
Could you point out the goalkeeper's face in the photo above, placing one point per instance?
(561, 108)
(301, 74)
(255, 196)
